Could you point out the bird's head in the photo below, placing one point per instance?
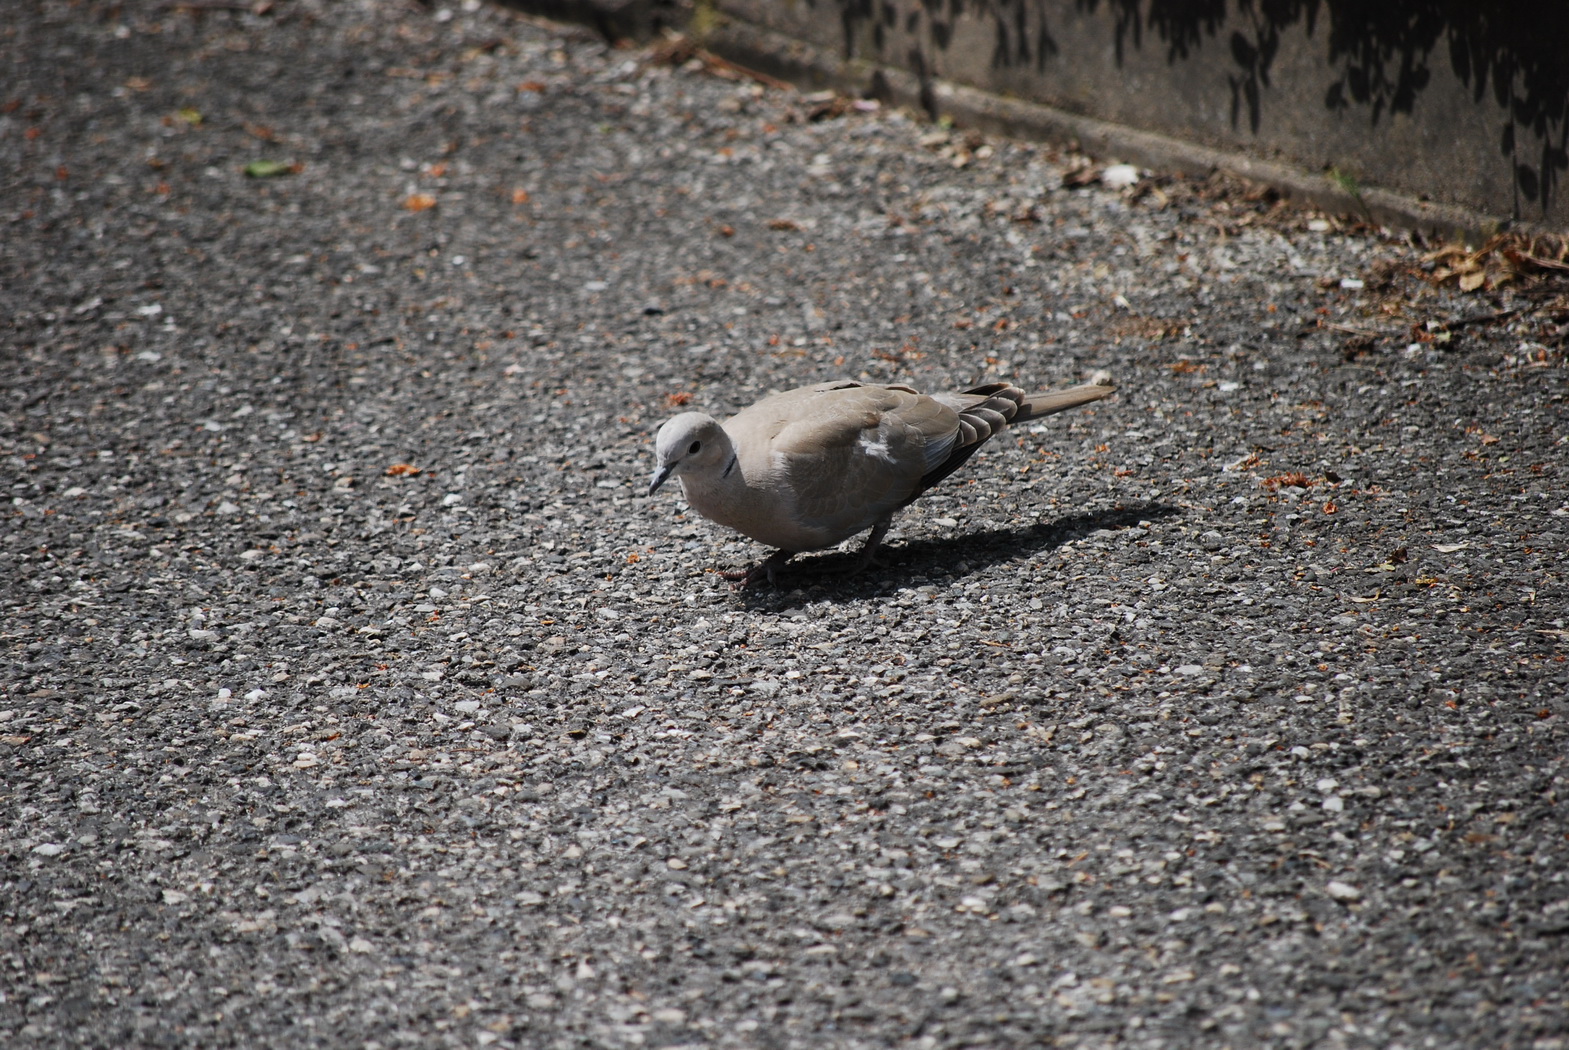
(691, 443)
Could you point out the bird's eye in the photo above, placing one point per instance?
(695, 447)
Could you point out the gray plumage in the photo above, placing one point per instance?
(809, 468)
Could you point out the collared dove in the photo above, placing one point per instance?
(810, 468)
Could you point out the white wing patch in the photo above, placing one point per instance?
(876, 447)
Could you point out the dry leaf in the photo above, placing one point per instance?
(1502, 259)
(420, 202)
(1295, 479)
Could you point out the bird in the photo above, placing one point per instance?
(810, 468)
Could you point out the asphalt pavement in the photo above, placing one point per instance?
(354, 694)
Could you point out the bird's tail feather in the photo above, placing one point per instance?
(1051, 401)
(985, 410)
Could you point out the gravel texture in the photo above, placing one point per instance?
(354, 695)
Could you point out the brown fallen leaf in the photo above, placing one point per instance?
(1080, 175)
(1504, 258)
(1294, 479)
(419, 202)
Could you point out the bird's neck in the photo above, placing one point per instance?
(720, 492)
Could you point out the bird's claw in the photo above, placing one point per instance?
(741, 579)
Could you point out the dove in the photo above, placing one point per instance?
(807, 469)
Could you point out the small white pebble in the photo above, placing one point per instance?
(1119, 176)
(1343, 891)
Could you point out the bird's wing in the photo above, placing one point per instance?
(839, 457)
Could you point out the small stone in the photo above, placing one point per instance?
(1119, 176)
(1343, 891)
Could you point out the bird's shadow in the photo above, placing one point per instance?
(828, 575)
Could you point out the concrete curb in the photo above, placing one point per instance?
(807, 66)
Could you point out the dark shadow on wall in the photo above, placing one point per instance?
(1514, 51)
(1383, 52)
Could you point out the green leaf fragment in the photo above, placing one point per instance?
(267, 169)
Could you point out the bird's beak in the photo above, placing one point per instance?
(661, 476)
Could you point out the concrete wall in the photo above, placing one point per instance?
(1429, 112)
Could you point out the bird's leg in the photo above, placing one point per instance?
(740, 581)
(869, 549)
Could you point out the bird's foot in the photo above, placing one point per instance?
(741, 579)
(868, 554)
(865, 560)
